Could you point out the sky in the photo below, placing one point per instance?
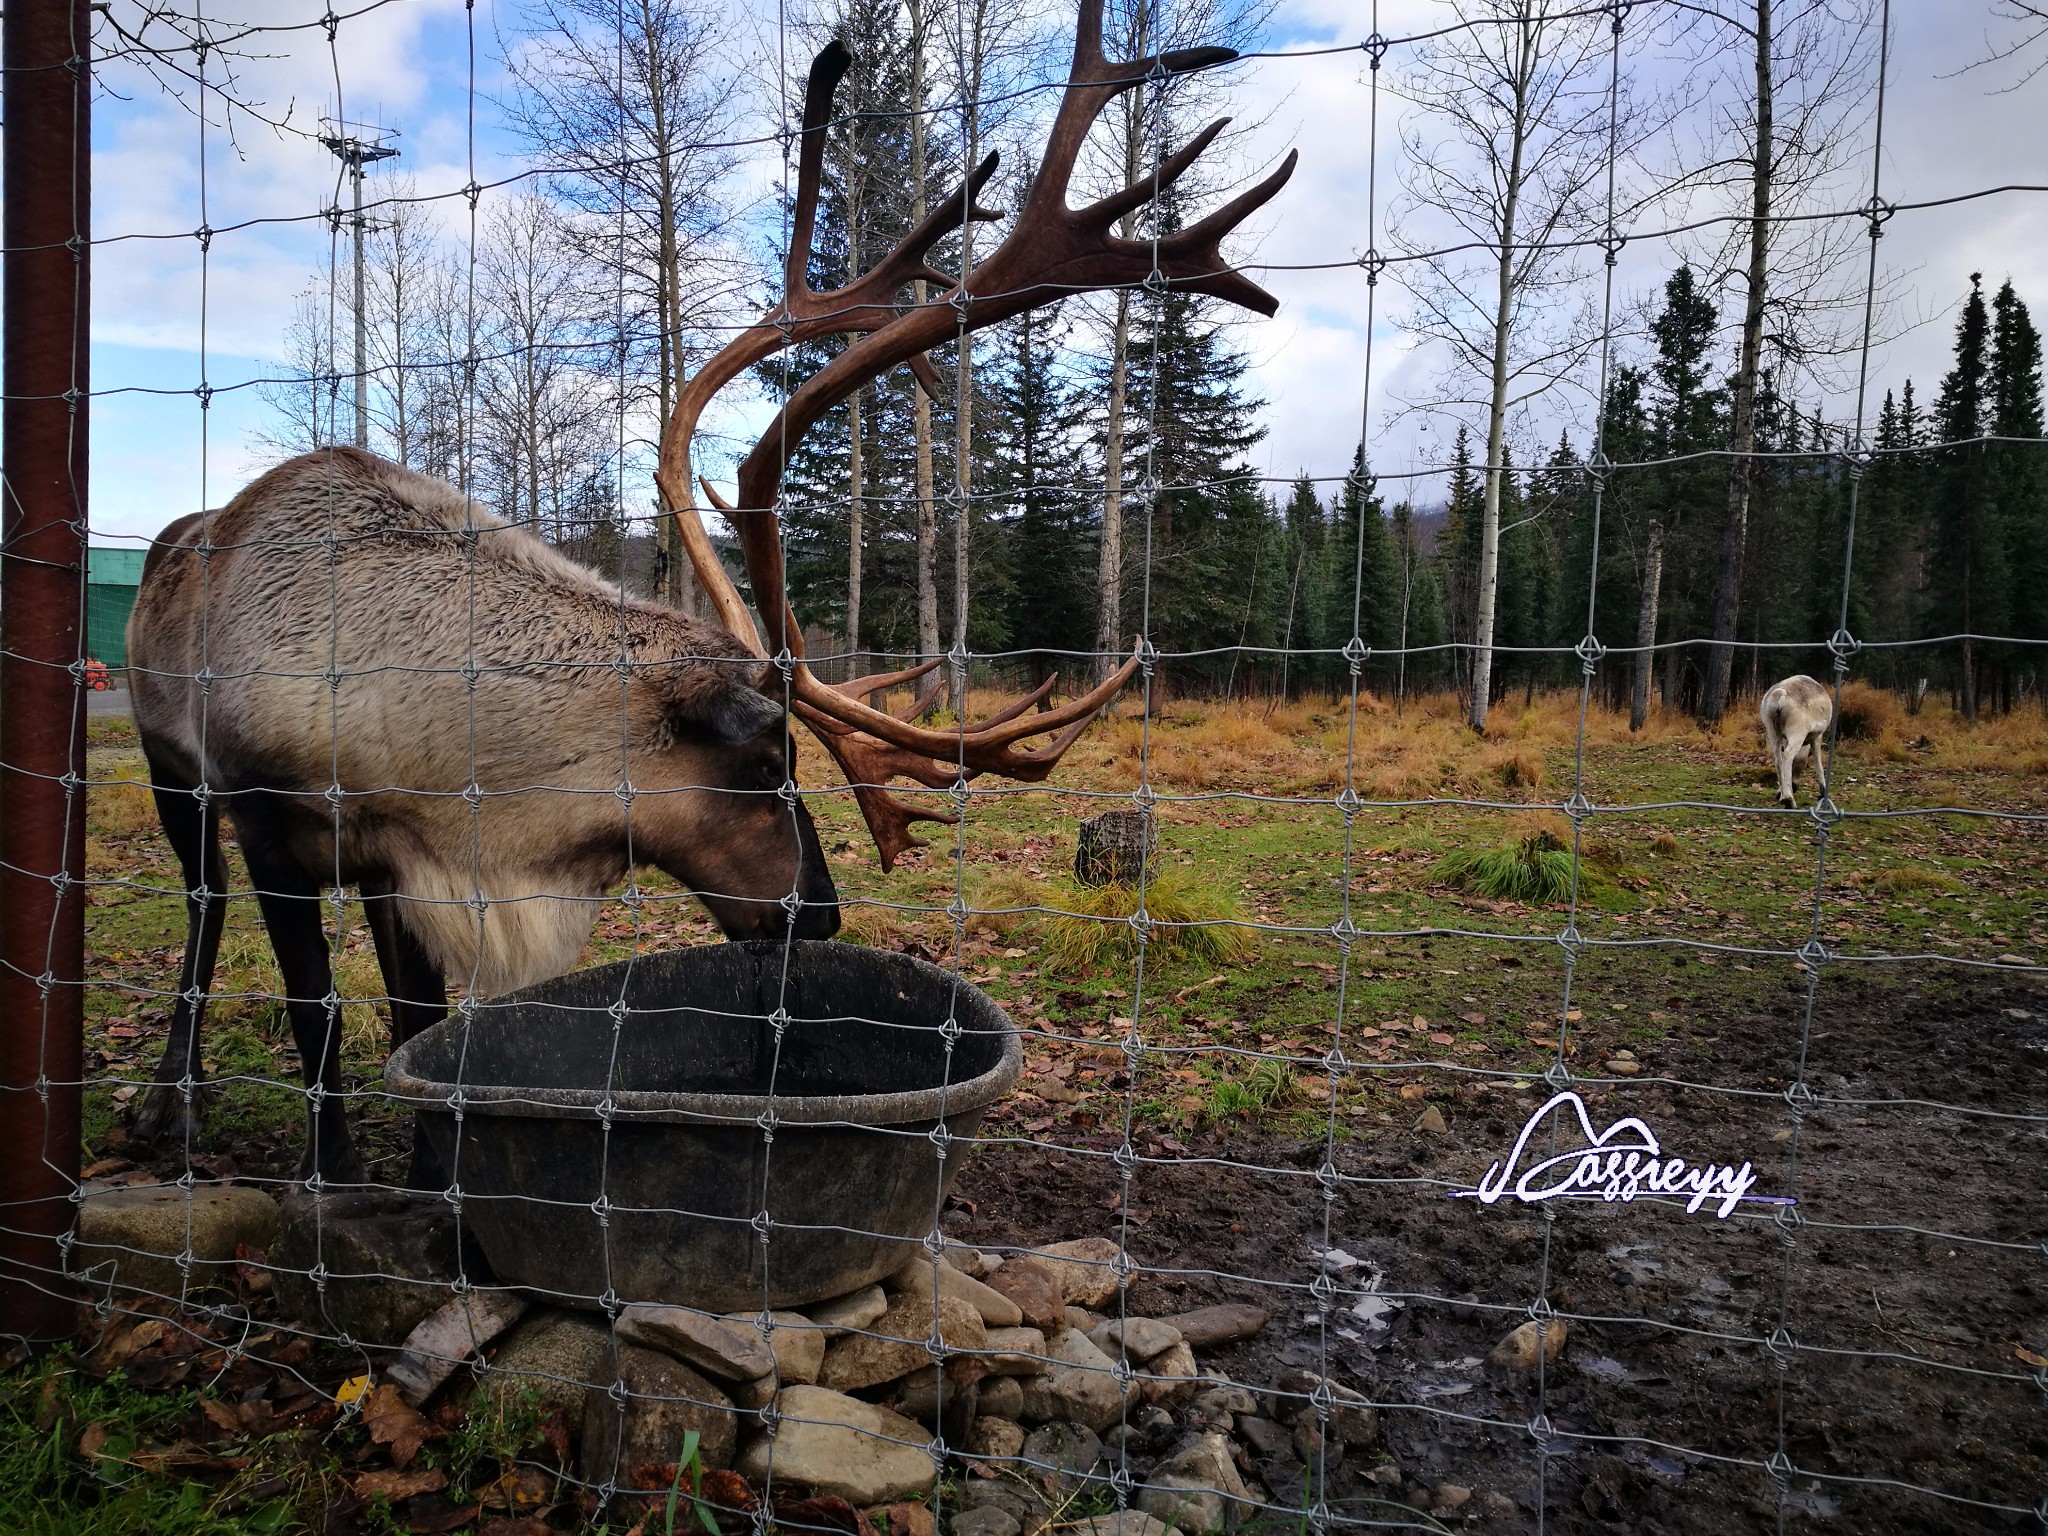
(168, 316)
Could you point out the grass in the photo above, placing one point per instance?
(1191, 919)
(1536, 869)
(80, 1457)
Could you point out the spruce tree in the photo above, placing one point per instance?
(1039, 517)
(1969, 588)
(2017, 472)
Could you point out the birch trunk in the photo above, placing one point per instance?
(1646, 629)
(1735, 531)
(1497, 405)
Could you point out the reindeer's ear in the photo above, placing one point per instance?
(725, 700)
(742, 713)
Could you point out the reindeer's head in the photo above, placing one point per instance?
(714, 803)
(1053, 251)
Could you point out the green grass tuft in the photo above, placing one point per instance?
(1192, 919)
(1537, 869)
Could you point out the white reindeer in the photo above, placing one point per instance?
(1796, 715)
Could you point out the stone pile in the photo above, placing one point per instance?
(1014, 1361)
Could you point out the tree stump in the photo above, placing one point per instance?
(1112, 847)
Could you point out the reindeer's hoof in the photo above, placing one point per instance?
(167, 1115)
(335, 1164)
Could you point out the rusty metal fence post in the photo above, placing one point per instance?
(43, 352)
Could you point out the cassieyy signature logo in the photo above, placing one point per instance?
(1622, 1162)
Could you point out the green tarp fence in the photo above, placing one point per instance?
(111, 579)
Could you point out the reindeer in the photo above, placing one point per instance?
(382, 685)
(1796, 715)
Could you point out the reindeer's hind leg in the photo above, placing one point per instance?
(290, 898)
(170, 1109)
(419, 999)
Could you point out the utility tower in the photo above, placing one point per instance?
(357, 145)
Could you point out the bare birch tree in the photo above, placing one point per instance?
(641, 145)
(1787, 122)
(1506, 155)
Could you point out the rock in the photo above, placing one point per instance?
(1082, 1318)
(1206, 1327)
(1621, 1068)
(449, 1335)
(997, 1437)
(1034, 1288)
(1062, 1456)
(1082, 1268)
(895, 1343)
(971, 1261)
(1450, 1496)
(753, 1396)
(915, 1279)
(1152, 1422)
(857, 1310)
(929, 1392)
(1185, 1505)
(1018, 1500)
(1312, 1447)
(554, 1357)
(1352, 1418)
(143, 1229)
(1016, 1351)
(830, 1444)
(390, 1258)
(1124, 1522)
(984, 1520)
(721, 1348)
(1521, 1349)
(1498, 1504)
(1197, 1489)
(1388, 1476)
(1224, 1400)
(1077, 1385)
(1001, 1398)
(1432, 1120)
(1140, 1337)
(1264, 1436)
(797, 1343)
(665, 1399)
(1169, 1377)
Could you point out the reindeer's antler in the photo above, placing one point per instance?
(1053, 250)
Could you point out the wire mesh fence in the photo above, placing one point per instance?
(1385, 1127)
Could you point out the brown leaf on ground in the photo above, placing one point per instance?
(523, 1525)
(520, 1488)
(829, 1513)
(728, 1490)
(431, 1514)
(91, 1438)
(220, 1415)
(394, 1422)
(555, 1431)
(902, 1519)
(393, 1486)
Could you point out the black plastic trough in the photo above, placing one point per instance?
(842, 1156)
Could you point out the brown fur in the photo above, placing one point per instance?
(340, 565)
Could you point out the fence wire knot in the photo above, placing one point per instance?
(1589, 651)
(1559, 1077)
(1779, 1466)
(1373, 264)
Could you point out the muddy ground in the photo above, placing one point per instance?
(1915, 1292)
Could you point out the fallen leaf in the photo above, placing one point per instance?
(394, 1422)
(2038, 1361)
(521, 1488)
(91, 1438)
(1412, 1090)
(351, 1389)
(517, 1525)
(1441, 1038)
(393, 1486)
(220, 1415)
